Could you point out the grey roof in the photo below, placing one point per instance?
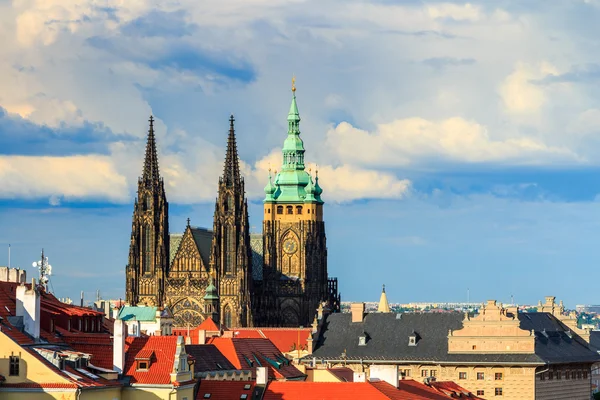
(256, 244)
(387, 339)
(203, 238)
(174, 240)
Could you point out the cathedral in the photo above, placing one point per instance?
(277, 278)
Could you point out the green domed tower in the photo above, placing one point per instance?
(295, 251)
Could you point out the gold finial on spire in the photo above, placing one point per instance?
(294, 83)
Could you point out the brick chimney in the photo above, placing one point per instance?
(201, 336)
(28, 307)
(120, 334)
(358, 311)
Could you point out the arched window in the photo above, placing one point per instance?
(298, 209)
(227, 316)
(290, 209)
(147, 246)
(279, 209)
(229, 250)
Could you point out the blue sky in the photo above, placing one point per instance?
(456, 143)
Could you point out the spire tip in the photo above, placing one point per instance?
(294, 84)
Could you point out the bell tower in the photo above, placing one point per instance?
(294, 242)
(149, 245)
(231, 255)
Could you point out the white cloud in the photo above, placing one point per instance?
(71, 177)
(465, 12)
(413, 140)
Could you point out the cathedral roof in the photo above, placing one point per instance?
(203, 238)
(174, 241)
(290, 183)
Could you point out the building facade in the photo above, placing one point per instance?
(498, 352)
(278, 278)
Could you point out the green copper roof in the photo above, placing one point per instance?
(291, 181)
(129, 313)
(211, 291)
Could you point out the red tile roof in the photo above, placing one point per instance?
(164, 348)
(243, 353)
(408, 390)
(99, 345)
(208, 325)
(225, 390)
(343, 374)
(451, 389)
(321, 390)
(286, 339)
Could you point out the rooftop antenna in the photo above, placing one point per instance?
(45, 270)
(468, 296)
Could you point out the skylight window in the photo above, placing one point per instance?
(244, 396)
(246, 387)
(207, 395)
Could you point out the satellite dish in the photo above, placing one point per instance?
(49, 270)
(34, 264)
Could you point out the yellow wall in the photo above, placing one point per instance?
(31, 370)
(166, 393)
(320, 375)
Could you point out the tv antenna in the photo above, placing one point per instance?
(45, 270)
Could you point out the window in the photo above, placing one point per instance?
(229, 250)
(247, 387)
(474, 347)
(550, 375)
(298, 209)
(480, 393)
(308, 211)
(227, 316)
(585, 374)
(578, 374)
(142, 365)
(480, 376)
(290, 209)
(14, 365)
(244, 396)
(558, 374)
(406, 373)
(424, 373)
(498, 392)
(79, 323)
(207, 395)
(433, 373)
(462, 375)
(498, 376)
(567, 374)
(147, 249)
(542, 376)
(279, 209)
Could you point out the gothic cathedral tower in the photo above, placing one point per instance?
(149, 246)
(294, 244)
(231, 255)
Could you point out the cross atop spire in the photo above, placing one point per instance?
(231, 170)
(150, 174)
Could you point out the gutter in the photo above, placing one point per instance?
(432, 362)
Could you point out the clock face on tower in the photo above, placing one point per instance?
(290, 246)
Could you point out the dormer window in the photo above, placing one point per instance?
(362, 339)
(144, 359)
(142, 365)
(413, 339)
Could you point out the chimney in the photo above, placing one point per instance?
(358, 311)
(309, 345)
(120, 330)
(359, 377)
(106, 309)
(261, 375)
(81, 304)
(28, 307)
(201, 336)
(387, 373)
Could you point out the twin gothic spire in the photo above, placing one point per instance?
(231, 169)
(150, 175)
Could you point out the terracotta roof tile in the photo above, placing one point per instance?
(453, 390)
(286, 339)
(322, 390)
(164, 348)
(249, 354)
(225, 390)
(408, 390)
